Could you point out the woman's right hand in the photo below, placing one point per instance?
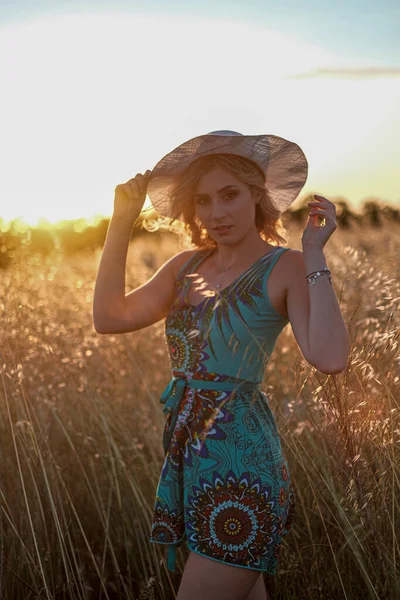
(130, 196)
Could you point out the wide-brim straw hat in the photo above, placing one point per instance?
(282, 161)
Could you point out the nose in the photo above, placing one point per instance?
(217, 210)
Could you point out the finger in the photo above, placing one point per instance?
(318, 211)
(140, 185)
(131, 188)
(138, 177)
(132, 181)
(141, 181)
(143, 186)
(320, 203)
(325, 209)
(323, 202)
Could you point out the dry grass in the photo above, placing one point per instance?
(81, 424)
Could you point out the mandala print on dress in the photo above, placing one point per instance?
(180, 349)
(201, 418)
(167, 524)
(185, 346)
(232, 519)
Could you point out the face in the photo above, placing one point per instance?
(223, 200)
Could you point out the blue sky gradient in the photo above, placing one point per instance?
(358, 29)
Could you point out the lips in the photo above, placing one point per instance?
(222, 228)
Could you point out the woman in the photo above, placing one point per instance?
(225, 485)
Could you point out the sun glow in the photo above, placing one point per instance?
(90, 100)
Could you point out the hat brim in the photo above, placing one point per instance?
(283, 162)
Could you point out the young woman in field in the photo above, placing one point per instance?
(225, 485)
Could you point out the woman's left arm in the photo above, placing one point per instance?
(313, 310)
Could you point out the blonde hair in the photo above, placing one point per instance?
(267, 220)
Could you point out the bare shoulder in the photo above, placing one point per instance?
(295, 286)
(290, 264)
(292, 261)
(293, 271)
(284, 276)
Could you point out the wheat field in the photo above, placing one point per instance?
(81, 434)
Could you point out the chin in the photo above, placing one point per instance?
(222, 241)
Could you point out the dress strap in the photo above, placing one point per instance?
(192, 263)
(190, 266)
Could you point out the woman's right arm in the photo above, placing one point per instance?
(113, 311)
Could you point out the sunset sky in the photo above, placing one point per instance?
(95, 92)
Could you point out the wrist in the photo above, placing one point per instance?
(123, 221)
(314, 259)
(312, 248)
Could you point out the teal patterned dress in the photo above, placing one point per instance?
(224, 485)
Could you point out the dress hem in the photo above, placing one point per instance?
(224, 562)
(177, 544)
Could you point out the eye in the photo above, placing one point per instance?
(227, 196)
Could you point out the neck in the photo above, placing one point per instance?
(241, 253)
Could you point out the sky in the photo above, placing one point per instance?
(95, 92)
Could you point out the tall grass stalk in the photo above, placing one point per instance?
(81, 430)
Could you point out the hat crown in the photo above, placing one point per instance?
(224, 132)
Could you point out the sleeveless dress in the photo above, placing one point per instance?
(225, 485)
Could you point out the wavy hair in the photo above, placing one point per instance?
(267, 218)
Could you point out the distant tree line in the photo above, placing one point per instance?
(71, 237)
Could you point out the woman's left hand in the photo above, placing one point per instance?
(314, 234)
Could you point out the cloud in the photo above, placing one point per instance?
(349, 73)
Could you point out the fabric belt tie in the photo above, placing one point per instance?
(172, 397)
(174, 392)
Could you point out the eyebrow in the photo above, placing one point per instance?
(226, 187)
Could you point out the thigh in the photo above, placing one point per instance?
(259, 591)
(204, 578)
